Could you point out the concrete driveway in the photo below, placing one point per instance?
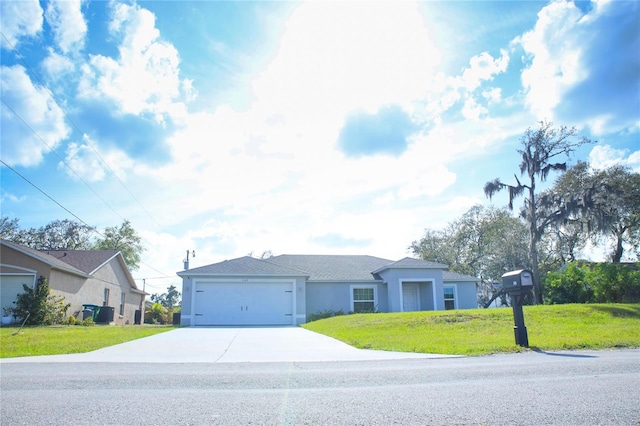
(229, 344)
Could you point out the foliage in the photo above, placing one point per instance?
(159, 314)
(589, 283)
(39, 306)
(485, 242)
(614, 283)
(170, 299)
(568, 286)
(539, 151)
(325, 314)
(56, 235)
(486, 331)
(126, 240)
(32, 341)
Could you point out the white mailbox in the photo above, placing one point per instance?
(515, 280)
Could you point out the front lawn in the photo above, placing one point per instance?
(56, 340)
(486, 331)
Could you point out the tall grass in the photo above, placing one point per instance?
(486, 331)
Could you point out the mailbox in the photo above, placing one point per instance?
(516, 280)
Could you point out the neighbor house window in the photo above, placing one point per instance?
(121, 304)
(105, 301)
(449, 297)
(363, 299)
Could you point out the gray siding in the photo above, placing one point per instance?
(394, 277)
(336, 296)
(467, 295)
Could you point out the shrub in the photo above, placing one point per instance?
(158, 313)
(72, 320)
(325, 314)
(88, 322)
(614, 283)
(39, 307)
(568, 286)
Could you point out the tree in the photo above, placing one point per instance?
(169, 300)
(605, 204)
(126, 240)
(484, 242)
(56, 235)
(539, 151)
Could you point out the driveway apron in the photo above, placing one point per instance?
(229, 344)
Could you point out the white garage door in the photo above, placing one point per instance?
(243, 303)
(11, 286)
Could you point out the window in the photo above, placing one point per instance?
(105, 301)
(363, 299)
(449, 297)
(121, 304)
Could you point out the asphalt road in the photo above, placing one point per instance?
(568, 388)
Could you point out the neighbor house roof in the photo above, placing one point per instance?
(87, 261)
(43, 256)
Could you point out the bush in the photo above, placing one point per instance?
(158, 313)
(568, 286)
(593, 283)
(325, 314)
(72, 320)
(39, 307)
(87, 322)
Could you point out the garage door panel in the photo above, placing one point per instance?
(11, 286)
(258, 303)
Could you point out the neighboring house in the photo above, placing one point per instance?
(82, 277)
(287, 289)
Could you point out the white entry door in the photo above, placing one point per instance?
(410, 297)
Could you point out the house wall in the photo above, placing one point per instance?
(394, 277)
(467, 294)
(78, 290)
(188, 295)
(336, 296)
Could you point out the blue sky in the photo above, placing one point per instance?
(231, 128)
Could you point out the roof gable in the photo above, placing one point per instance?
(87, 261)
(42, 256)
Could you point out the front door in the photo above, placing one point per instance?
(410, 300)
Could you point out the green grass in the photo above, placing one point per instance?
(31, 341)
(487, 331)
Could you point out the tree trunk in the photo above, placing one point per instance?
(617, 253)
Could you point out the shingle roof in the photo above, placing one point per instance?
(245, 266)
(333, 267)
(85, 260)
(454, 276)
(409, 262)
(52, 261)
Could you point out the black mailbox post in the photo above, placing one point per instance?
(518, 284)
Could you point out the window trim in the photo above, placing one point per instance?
(122, 300)
(455, 296)
(366, 286)
(105, 300)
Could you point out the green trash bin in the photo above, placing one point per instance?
(95, 309)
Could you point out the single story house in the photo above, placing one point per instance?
(287, 289)
(82, 277)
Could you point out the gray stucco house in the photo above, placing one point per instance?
(286, 289)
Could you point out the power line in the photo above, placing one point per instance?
(90, 145)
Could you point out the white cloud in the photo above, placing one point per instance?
(482, 68)
(605, 156)
(67, 23)
(584, 67)
(34, 111)
(145, 77)
(85, 162)
(57, 66)
(19, 19)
